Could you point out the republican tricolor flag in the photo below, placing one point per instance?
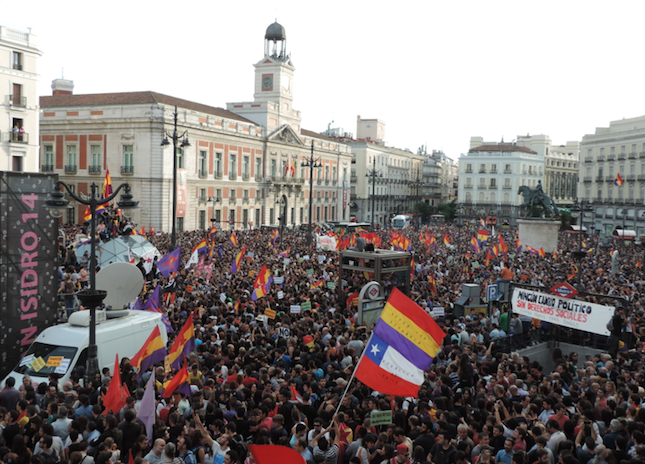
(403, 344)
(237, 262)
(233, 239)
(618, 181)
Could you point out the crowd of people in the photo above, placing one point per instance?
(288, 380)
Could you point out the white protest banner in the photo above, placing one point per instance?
(278, 280)
(222, 297)
(438, 311)
(576, 314)
(324, 242)
(294, 309)
(280, 295)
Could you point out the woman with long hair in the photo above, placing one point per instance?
(19, 447)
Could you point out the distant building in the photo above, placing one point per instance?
(491, 174)
(389, 178)
(19, 57)
(611, 151)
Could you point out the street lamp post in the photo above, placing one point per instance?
(175, 136)
(91, 298)
(373, 173)
(311, 163)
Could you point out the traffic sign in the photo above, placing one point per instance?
(564, 290)
(492, 293)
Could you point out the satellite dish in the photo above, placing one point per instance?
(122, 282)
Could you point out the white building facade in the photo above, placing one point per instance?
(19, 57)
(491, 175)
(608, 152)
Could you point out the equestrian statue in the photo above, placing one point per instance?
(537, 197)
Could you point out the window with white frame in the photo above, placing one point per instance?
(71, 155)
(218, 165)
(95, 153)
(49, 157)
(128, 156)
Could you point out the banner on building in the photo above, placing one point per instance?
(182, 193)
(28, 257)
(576, 314)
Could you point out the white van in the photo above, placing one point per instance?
(401, 221)
(121, 332)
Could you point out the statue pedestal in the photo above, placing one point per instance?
(539, 233)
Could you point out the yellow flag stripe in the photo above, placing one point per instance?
(409, 330)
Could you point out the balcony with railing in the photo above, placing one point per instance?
(641, 155)
(71, 169)
(469, 171)
(481, 186)
(482, 171)
(469, 187)
(232, 199)
(492, 187)
(611, 157)
(246, 176)
(630, 177)
(47, 168)
(641, 177)
(17, 137)
(601, 157)
(202, 198)
(633, 155)
(232, 176)
(508, 171)
(94, 169)
(587, 179)
(202, 174)
(589, 159)
(507, 187)
(319, 182)
(19, 101)
(600, 179)
(218, 175)
(258, 177)
(334, 182)
(127, 170)
(609, 178)
(622, 156)
(246, 199)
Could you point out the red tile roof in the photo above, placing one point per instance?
(134, 98)
(502, 148)
(316, 135)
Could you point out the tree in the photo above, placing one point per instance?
(423, 209)
(449, 210)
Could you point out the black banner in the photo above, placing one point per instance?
(28, 260)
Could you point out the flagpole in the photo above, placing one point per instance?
(349, 382)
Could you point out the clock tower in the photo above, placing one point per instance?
(273, 97)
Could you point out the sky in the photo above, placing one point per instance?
(436, 72)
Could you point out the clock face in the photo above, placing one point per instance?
(267, 82)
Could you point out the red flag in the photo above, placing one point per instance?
(130, 459)
(275, 454)
(114, 400)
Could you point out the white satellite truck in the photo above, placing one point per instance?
(63, 348)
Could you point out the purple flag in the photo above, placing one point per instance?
(153, 302)
(146, 412)
(169, 263)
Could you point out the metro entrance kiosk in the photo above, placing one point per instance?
(385, 268)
